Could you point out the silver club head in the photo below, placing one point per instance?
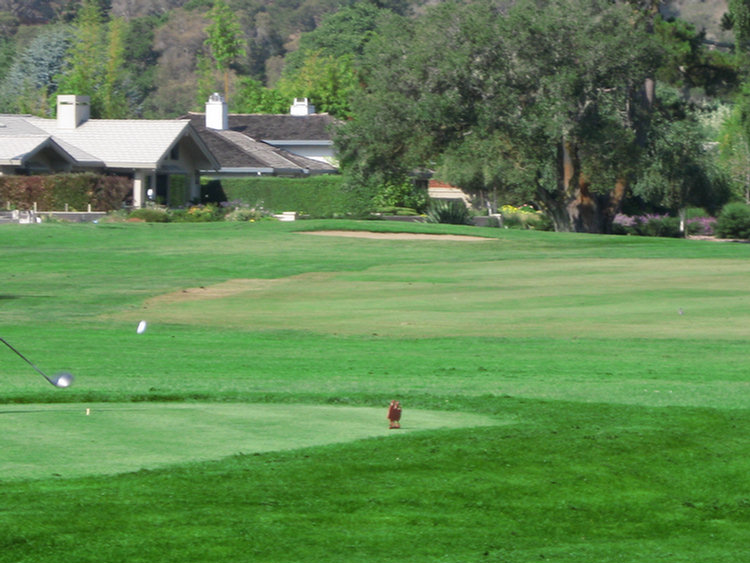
(62, 379)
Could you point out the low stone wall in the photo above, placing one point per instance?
(17, 216)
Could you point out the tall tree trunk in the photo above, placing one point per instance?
(573, 207)
(614, 204)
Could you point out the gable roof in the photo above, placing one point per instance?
(119, 143)
(19, 151)
(278, 127)
(240, 153)
(20, 141)
(113, 143)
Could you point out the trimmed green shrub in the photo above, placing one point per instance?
(73, 190)
(449, 211)
(178, 190)
(734, 221)
(150, 215)
(317, 196)
(661, 227)
(54, 192)
(400, 211)
(400, 195)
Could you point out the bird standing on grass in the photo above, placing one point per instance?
(394, 414)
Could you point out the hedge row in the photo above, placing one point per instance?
(54, 192)
(318, 196)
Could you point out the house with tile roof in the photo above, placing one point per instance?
(151, 152)
(296, 144)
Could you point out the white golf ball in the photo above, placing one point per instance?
(141, 327)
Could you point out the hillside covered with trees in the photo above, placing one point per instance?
(154, 55)
(584, 109)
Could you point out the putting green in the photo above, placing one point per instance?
(62, 440)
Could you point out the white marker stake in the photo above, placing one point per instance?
(141, 327)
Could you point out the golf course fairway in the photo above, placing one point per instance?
(68, 440)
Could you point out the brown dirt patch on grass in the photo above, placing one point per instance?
(228, 288)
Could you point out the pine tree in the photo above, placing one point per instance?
(224, 39)
(114, 101)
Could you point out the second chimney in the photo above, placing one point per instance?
(302, 106)
(217, 116)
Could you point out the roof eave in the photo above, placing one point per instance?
(133, 165)
(302, 142)
(240, 170)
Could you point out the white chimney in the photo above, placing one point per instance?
(72, 110)
(217, 116)
(302, 106)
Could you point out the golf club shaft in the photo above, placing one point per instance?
(44, 375)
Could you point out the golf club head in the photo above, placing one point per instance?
(62, 379)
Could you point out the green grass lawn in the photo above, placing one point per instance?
(75, 439)
(561, 408)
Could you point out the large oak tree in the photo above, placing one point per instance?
(541, 98)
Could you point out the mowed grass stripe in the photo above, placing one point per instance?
(626, 298)
(72, 440)
(179, 362)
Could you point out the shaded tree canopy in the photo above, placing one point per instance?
(33, 76)
(678, 169)
(533, 94)
(341, 34)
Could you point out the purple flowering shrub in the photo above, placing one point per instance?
(624, 222)
(655, 225)
(701, 226)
